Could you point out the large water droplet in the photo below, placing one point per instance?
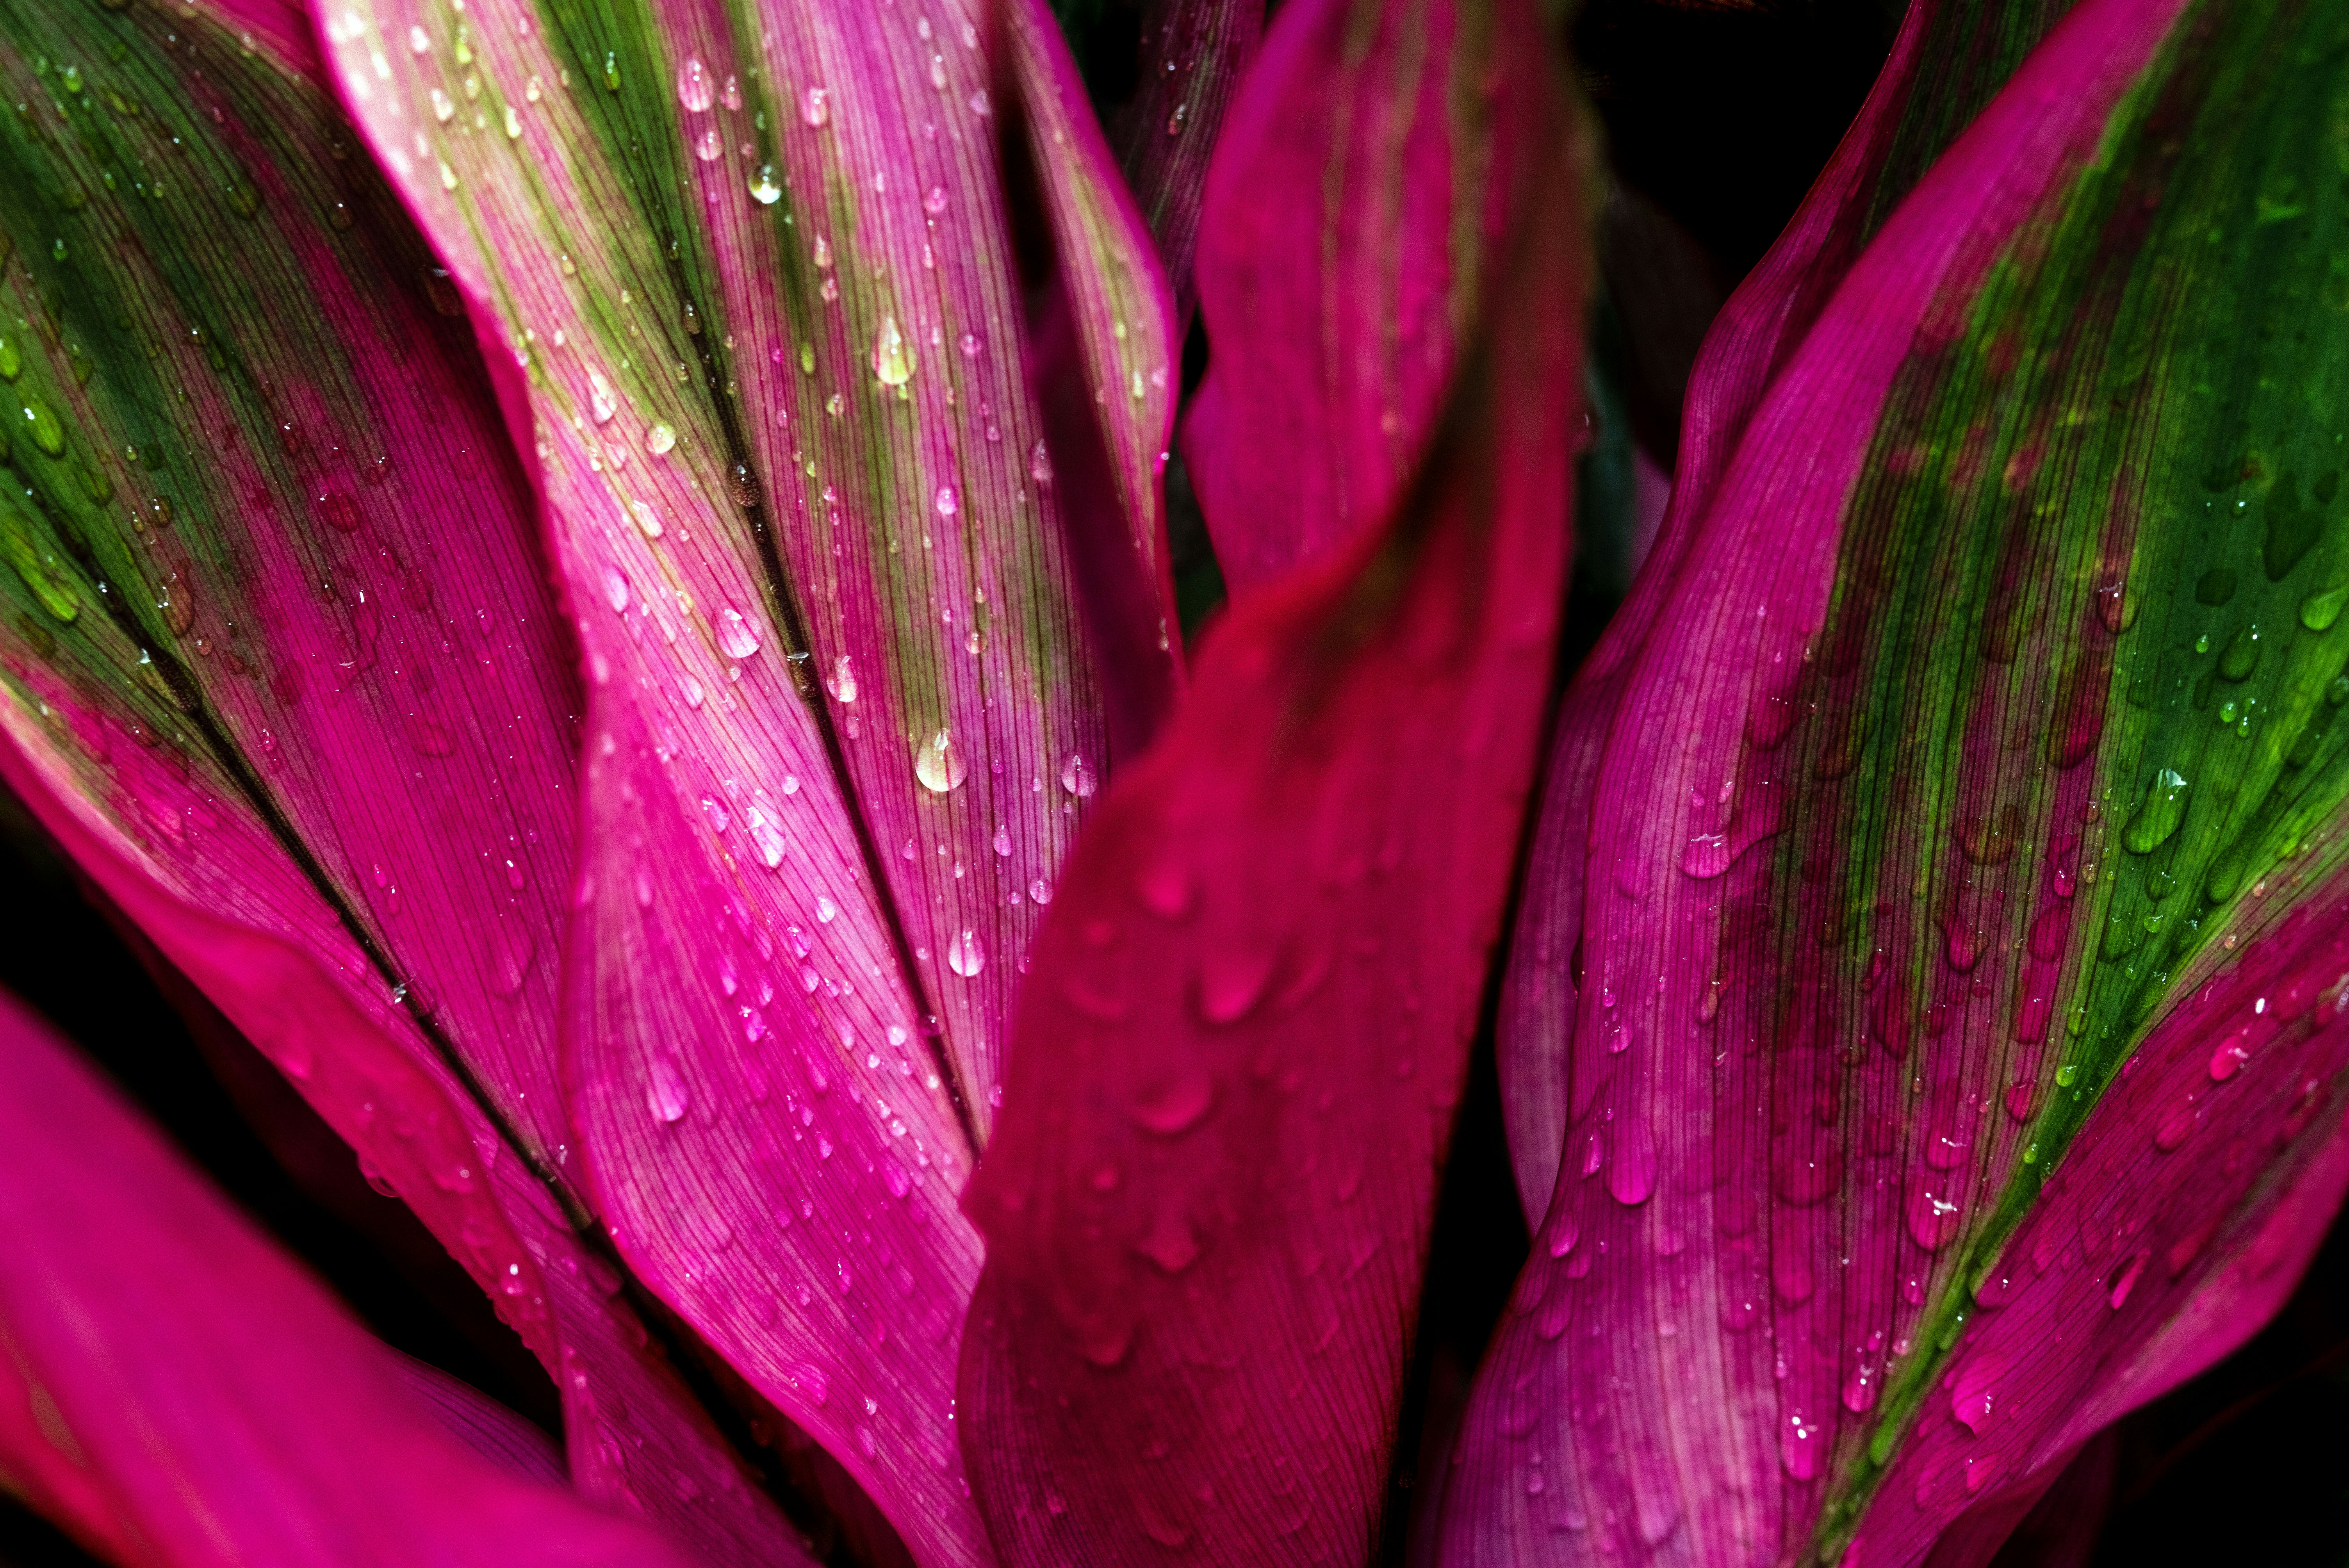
(1077, 777)
(665, 1090)
(892, 357)
(2242, 654)
(940, 764)
(2158, 818)
(765, 836)
(815, 106)
(1232, 982)
(1175, 1104)
(658, 439)
(1631, 1177)
(42, 424)
(842, 684)
(965, 956)
(736, 634)
(695, 89)
(766, 190)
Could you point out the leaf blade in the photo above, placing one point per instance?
(1873, 985)
(178, 1392)
(1213, 1185)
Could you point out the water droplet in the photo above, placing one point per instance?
(600, 401)
(940, 764)
(2124, 1280)
(842, 684)
(736, 635)
(694, 90)
(42, 424)
(2241, 655)
(892, 357)
(1077, 777)
(616, 588)
(2319, 611)
(2158, 818)
(1631, 1177)
(1232, 982)
(658, 439)
(664, 1089)
(1706, 857)
(710, 146)
(815, 106)
(419, 42)
(1039, 465)
(964, 954)
(1174, 1105)
(443, 109)
(765, 836)
(511, 948)
(766, 190)
(945, 501)
(513, 123)
(1040, 892)
(1798, 1447)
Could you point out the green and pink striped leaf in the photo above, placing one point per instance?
(1195, 55)
(1947, 62)
(1957, 1058)
(867, 619)
(1245, 1032)
(281, 669)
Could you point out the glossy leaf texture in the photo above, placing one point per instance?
(177, 1393)
(1966, 871)
(1246, 1031)
(1950, 57)
(1351, 210)
(282, 672)
(754, 263)
(1195, 55)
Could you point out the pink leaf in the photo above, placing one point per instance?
(1358, 188)
(177, 1393)
(1207, 1204)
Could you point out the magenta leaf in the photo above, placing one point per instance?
(1206, 1206)
(848, 696)
(1949, 58)
(1956, 1057)
(281, 670)
(1354, 199)
(177, 1393)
